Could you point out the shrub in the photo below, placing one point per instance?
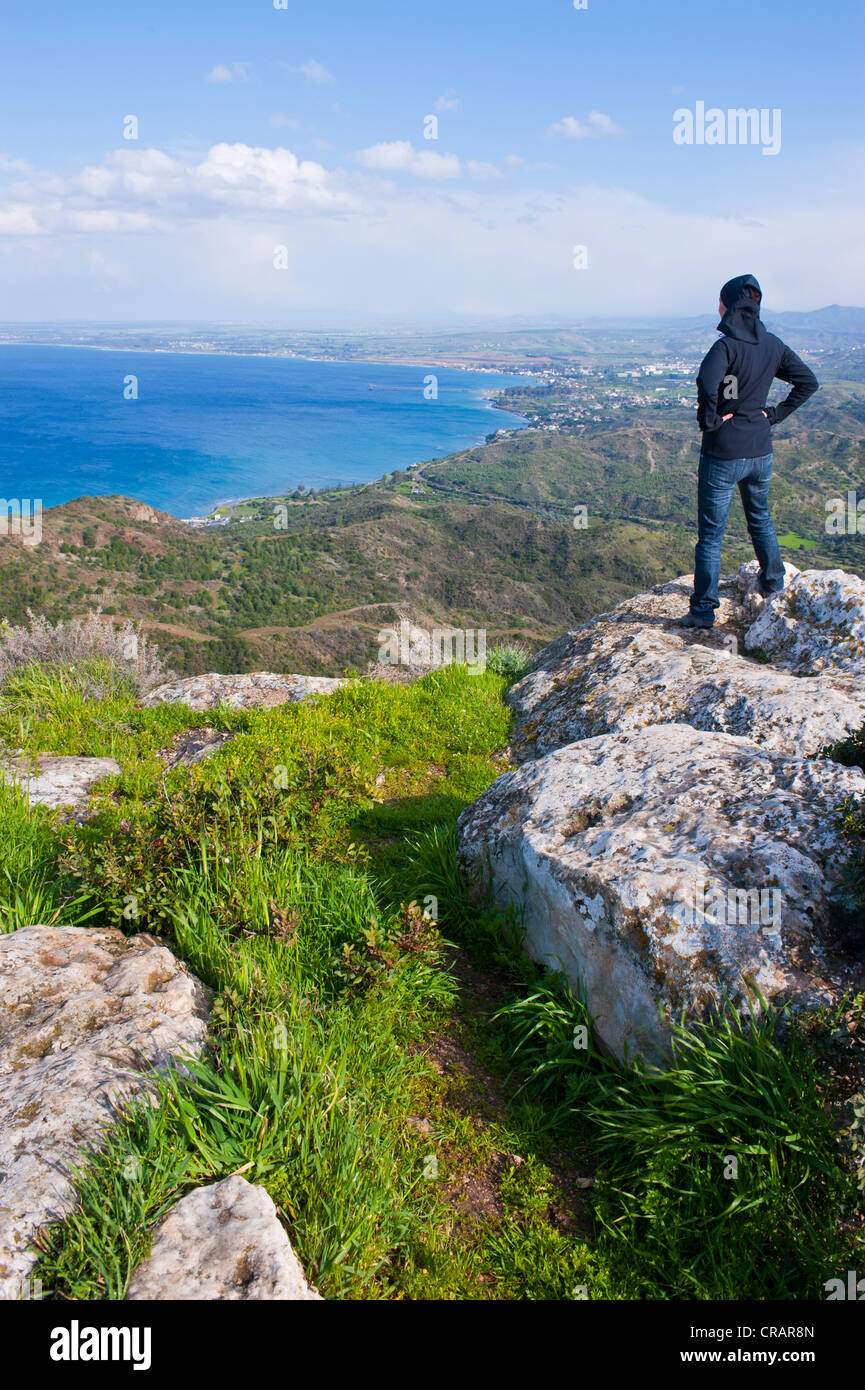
(510, 659)
(104, 654)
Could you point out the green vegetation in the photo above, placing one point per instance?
(313, 594)
(793, 542)
(728, 1152)
(851, 753)
(382, 1057)
(510, 659)
(645, 470)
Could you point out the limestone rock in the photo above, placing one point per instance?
(751, 600)
(259, 689)
(58, 781)
(816, 624)
(633, 855)
(85, 1017)
(193, 746)
(221, 1242)
(635, 666)
(609, 678)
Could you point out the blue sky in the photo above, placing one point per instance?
(303, 128)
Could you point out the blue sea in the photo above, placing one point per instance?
(213, 428)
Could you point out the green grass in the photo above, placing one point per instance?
(90, 711)
(850, 752)
(297, 872)
(726, 1153)
(793, 542)
(31, 888)
(720, 1176)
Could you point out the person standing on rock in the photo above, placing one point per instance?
(732, 386)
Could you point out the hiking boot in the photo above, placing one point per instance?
(690, 621)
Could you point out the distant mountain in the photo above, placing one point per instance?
(835, 318)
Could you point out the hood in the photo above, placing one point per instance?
(742, 317)
(742, 321)
(732, 291)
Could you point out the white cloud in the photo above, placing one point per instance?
(604, 125)
(315, 73)
(400, 156)
(17, 219)
(133, 190)
(480, 170)
(110, 220)
(570, 126)
(262, 178)
(147, 174)
(237, 72)
(153, 235)
(448, 101)
(14, 166)
(596, 123)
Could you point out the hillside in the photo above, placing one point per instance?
(337, 911)
(485, 538)
(316, 593)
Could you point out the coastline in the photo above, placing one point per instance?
(483, 394)
(278, 497)
(284, 357)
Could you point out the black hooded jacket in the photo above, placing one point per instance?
(734, 379)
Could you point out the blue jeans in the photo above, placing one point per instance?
(717, 480)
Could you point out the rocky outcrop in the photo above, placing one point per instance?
(221, 1242)
(669, 840)
(260, 689)
(666, 868)
(816, 624)
(86, 1017)
(57, 781)
(635, 666)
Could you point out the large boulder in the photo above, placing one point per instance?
(222, 1242)
(635, 666)
(61, 782)
(817, 623)
(86, 1019)
(668, 868)
(259, 689)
